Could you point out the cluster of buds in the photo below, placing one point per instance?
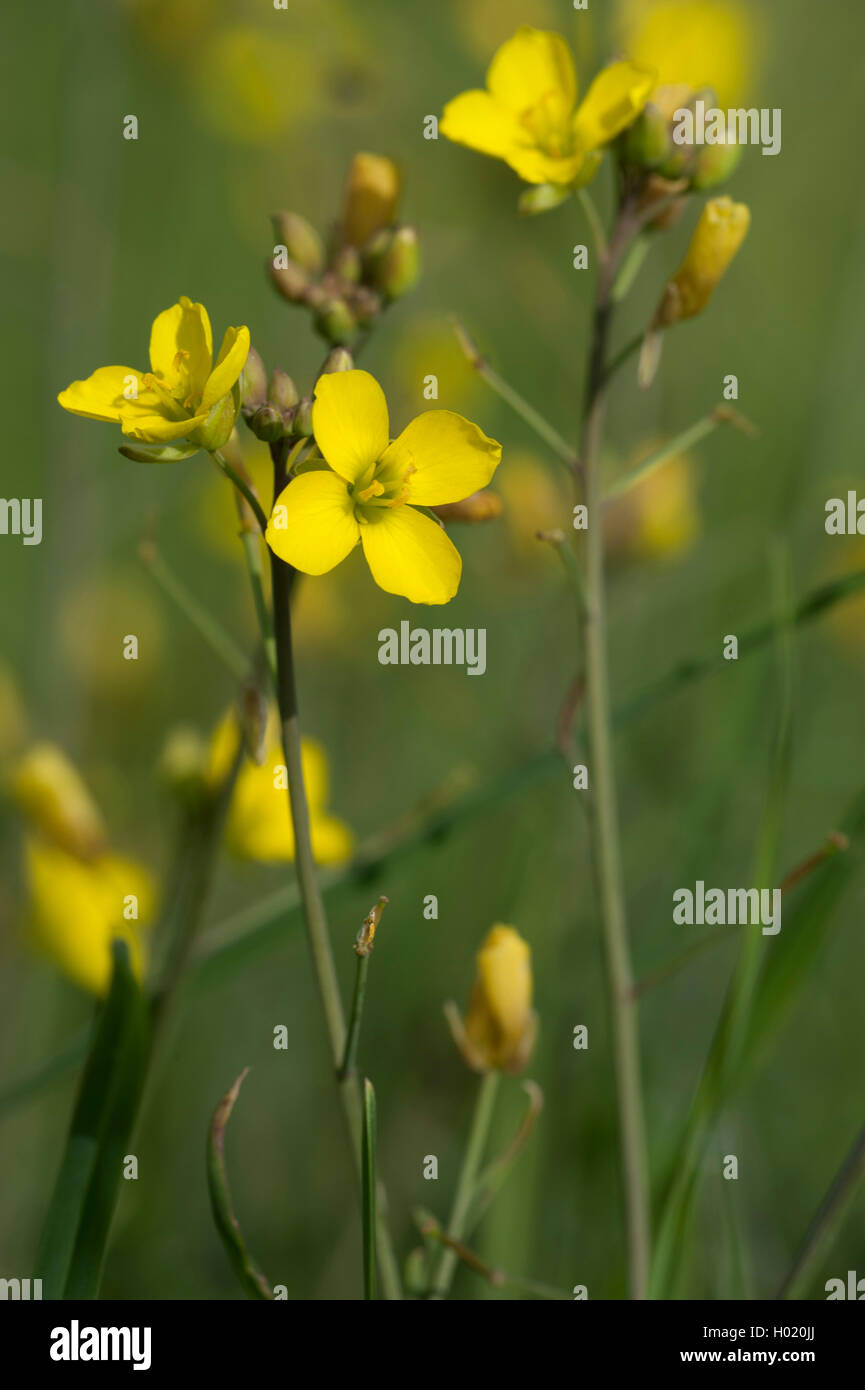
(649, 148)
(371, 261)
(272, 406)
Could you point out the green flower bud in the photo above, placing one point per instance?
(253, 383)
(303, 418)
(347, 264)
(714, 165)
(282, 391)
(399, 267)
(220, 422)
(339, 359)
(291, 281)
(648, 143)
(335, 321)
(268, 424)
(375, 252)
(301, 240)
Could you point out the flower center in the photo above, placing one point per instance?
(545, 124)
(384, 484)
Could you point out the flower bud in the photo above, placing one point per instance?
(366, 305)
(500, 1027)
(481, 506)
(542, 197)
(303, 418)
(300, 239)
(268, 423)
(339, 359)
(649, 141)
(717, 237)
(291, 281)
(183, 765)
(335, 321)
(282, 391)
(45, 786)
(396, 270)
(347, 264)
(371, 197)
(714, 165)
(219, 424)
(253, 383)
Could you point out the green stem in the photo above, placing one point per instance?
(252, 554)
(593, 218)
(828, 1216)
(603, 817)
(472, 1159)
(242, 487)
(310, 890)
(686, 440)
(533, 418)
(214, 635)
(349, 1061)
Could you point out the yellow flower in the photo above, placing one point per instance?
(528, 116)
(373, 486)
(45, 786)
(184, 397)
(77, 908)
(259, 826)
(722, 228)
(500, 1027)
(699, 42)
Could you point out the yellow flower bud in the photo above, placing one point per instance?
(717, 237)
(371, 196)
(500, 1027)
(46, 788)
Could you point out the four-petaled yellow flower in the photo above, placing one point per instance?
(373, 487)
(529, 117)
(185, 396)
(500, 1026)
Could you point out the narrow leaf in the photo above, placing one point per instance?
(368, 1193)
(250, 1277)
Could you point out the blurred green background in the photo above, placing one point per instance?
(242, 110)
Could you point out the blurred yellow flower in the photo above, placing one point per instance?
(719, 233)
(528, 116)
(76, 909)
(500, 1027)
(184, 397)
(371, 197)
(258, 825)
(535, 499)
(697, 42)
(373, 486)
(80, 897)
(659, 517)
(49, 792)
(250, 83)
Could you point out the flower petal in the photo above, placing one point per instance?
(312, 526)
(229, 364)
(158, 429)
(534, 67)
(181, 346)
(410, 555)
(535, 166)
(615, 98)
(476, 119)
(350, 422)
(451, 457)
(101, 396)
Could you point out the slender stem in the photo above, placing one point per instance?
(603, 812)
(678, 445)
(466, 1183)
(827, 1218)
(349, 1061)
(622, 355)
(310, 890)
(215, 636)
(252, 554)
(242, 487)
(533, 418)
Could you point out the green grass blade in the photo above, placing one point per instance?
(368, 1190)
(250, 1277)
(89, 1129)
